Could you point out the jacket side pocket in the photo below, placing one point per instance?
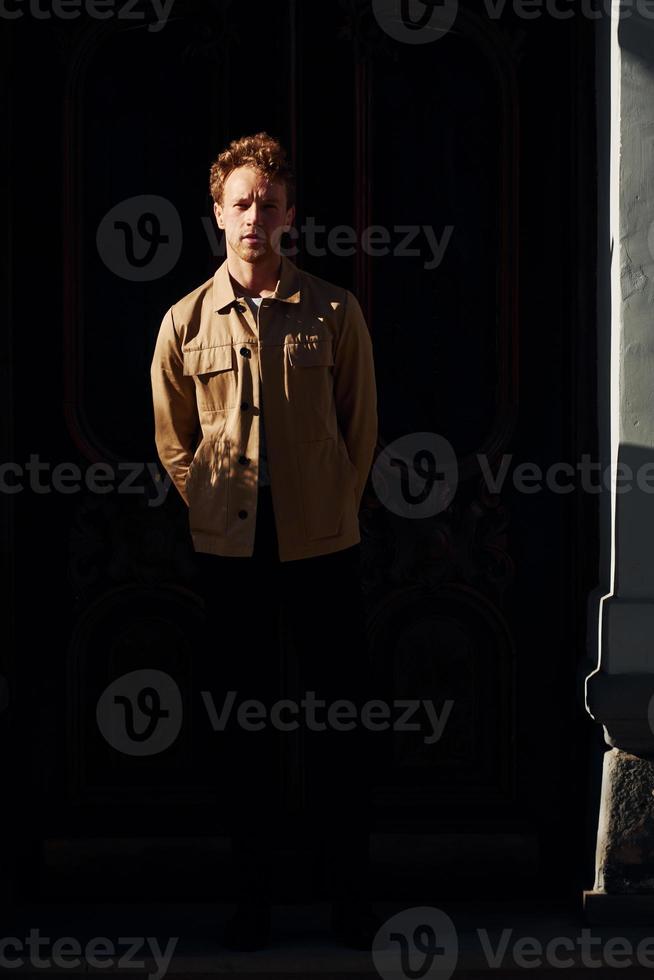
(326, 485)
(207, 485)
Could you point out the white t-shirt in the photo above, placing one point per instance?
(264, 476)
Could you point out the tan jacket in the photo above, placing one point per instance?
(310, 357)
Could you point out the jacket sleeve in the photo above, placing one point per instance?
(355, 390)
(176, 416)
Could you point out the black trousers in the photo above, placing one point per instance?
(254, 608)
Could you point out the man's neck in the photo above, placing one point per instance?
(253, 279)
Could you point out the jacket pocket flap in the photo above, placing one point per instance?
(204, 360)
(314, 352)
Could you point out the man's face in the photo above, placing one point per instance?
(253, 214)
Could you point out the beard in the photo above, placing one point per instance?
(255, 251)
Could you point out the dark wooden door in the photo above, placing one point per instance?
(475, 156)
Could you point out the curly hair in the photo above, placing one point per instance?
(261, 151)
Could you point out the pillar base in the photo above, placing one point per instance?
(624, 861)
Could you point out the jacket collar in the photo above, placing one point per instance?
(287, 289)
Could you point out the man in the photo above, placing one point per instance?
(265, 413)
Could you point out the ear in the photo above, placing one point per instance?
(218, 211)
(290, 218)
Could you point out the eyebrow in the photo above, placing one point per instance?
(267, 199)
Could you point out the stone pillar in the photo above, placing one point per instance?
(620, 691)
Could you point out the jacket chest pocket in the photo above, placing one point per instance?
(310, 371)
(214, 371)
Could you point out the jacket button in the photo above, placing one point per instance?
(245, 351)
(242, 514)
(243, 459)
(245, 405)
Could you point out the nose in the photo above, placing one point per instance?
(253, 213)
